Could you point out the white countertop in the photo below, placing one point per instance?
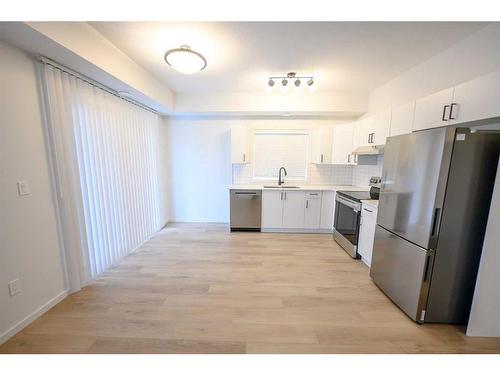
(370, 202)
(301, 187)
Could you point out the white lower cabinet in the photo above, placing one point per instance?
(367, 232)
(327, 210)
(293, 209)
(296, 210)
(312, 216)
(272, 209)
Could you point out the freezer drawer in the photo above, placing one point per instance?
(245, 209)
(398, 268)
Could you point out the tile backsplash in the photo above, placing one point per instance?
(362, 172)
(358, 175)
(330, 174)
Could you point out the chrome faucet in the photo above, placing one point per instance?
(281, 180)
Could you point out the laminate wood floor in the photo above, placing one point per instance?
(201, 289)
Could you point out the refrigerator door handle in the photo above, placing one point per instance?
(427, 265)
(436, 221)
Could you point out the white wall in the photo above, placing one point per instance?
(199, 169)
(29, 247)
(470, 58)
(341, 104)
(484, 319)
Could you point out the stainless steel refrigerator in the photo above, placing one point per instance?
(433, 208)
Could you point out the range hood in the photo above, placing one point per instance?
(369, 150)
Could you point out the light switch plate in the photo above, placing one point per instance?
(14, 287)
(23, 188)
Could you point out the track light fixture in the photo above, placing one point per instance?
(291, 76)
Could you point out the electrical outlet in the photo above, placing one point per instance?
(23, 188)
(15, 287)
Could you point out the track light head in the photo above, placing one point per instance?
(297, 82)
(284, 82)
(271, 83)
(310, 82)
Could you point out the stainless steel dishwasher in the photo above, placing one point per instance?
(245, 210)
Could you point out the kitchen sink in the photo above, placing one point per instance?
(280, 187)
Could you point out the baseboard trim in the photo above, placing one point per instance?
(33, 316)
(298, 230)
(201, 221)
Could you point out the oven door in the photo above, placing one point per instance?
(347, 217)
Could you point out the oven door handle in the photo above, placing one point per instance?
(355, 206)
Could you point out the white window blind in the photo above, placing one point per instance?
(107, 156)
(284, 148)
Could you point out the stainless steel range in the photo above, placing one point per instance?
(348, 215)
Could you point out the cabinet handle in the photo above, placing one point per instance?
(369, 135)
(321, 158)
(244, 158)
(450, 117)
(444, 113)
(285, 195)
(355, 158)
(307, 203)
(367, 210)
(281, 196)
(348, 158)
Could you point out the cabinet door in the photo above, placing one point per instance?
(367, 233)
(477, 99)
(293, 209)
(365, 129)
(312, 215)
(272, 209)
(402, 119)
(240, 144)
(321, 143)
(433, 110)
(327, 208)
(380, 126)
(342, 144)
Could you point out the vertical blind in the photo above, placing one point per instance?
(107, 154)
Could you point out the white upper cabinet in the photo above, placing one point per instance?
(240, 144)
(312, 214)
(402, 119)
(272, 209)
(342, 144)
(373, 130)
(380, 126)
(476, 100)
(293, 209)
(365, 130)
(433, 110)
(321, 143)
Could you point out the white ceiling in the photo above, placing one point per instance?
(344, 56)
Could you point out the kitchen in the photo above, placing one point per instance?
(282, 198)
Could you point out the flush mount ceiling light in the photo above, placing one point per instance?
(185, 60)
(291, 76)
